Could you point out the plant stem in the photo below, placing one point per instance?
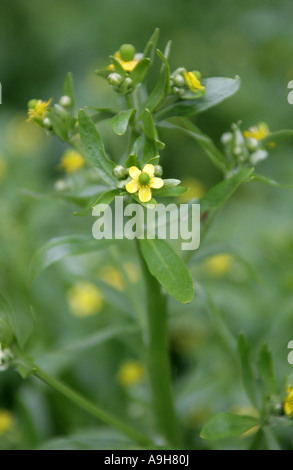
(94, 410)
(158, 360)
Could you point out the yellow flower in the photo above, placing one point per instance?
(38, 111)
(130, 373)
(192, 81)
(143, 181)
(258, 132)
(111, 276)
(219, 264)
(84, 299)
(6, 421)
(71, 161)
(128, 66)
(288, 403)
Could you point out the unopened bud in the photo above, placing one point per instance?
(127, 86)
(178, 80)
(65, 101)
(120, 172)
(47, 123)
(252, 144)
(226, 138)
(158, 170)
(114, 79)
(127, 52)
(32, 104)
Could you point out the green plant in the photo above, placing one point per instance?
(136, 175)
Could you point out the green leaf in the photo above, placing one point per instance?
(68, 88)
(79, 197)
(132, 160)
(94, 148)
(90, 439)
(217, 90)
(168, 268)
(226, 425)
(58, 248)
(25, 366)
(203, 140)
(151, 144)
(140, 70)
(20, 323)
(220, 193)
(161, 89)
(107, 197)
(119, 123)
(266, 369)
(270, 181)
(151, 45)
(277, 137)
(249, 381)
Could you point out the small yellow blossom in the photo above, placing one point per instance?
(39, 110)
(128, 66)
(143, 181)
(130, 373)
(258, 132)
(192, 81)
(288, 403)
(84, 299)
(111, 276)
(219, 265)
(71, 161)
(6, 421)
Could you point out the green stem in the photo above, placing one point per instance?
(158, 360)
(94, 410)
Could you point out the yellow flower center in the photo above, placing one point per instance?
(71, 161)
(143, 179)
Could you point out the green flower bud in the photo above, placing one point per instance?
(178, 81)
(114, 79)
(175, 90)
(237, 151)
(226, 138)
(127, 86)
(197, 74)
(32, 104)
(252, 144)
(120, 172)
(65, 101)
(158, 170)
(181, 91)
(127, 52)
(47, 123)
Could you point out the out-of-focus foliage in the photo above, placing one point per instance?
(252, 289)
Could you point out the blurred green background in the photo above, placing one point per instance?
(39, 43)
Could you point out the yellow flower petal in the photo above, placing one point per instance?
(149, 169)
(134, 172)
(156, 183)
(132, 186)
(144, 194)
